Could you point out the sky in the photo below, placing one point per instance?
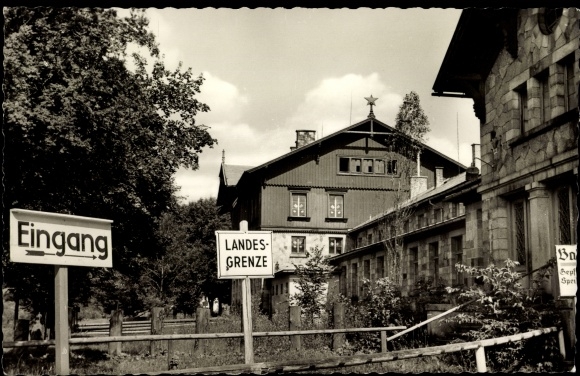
(270, 72)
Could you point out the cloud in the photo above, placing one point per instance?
(336, 103)
(164, 33)
(326, 108)
(242, 144)
(226, 102)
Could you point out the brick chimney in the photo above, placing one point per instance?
(438, 176)
(303, 137)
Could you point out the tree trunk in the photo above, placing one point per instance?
(16, 307)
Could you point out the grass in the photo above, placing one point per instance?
(136, 357)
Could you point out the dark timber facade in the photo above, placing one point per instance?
(313, 195)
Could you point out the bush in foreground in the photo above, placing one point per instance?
(504, 307)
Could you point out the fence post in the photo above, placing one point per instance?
(201, 326)
(171, 363)
(115, 329)
(294, 324)
(480, 359)
(384, 341)
(156, 328)
(562, 343)
(21, 330)
(338, 323)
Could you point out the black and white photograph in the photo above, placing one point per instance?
(238, 190)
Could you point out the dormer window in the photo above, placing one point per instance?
(367, 166)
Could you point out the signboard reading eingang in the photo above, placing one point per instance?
(59, 239)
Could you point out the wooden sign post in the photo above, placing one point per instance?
(61, 240)
(244, 254)
(247, 320)
(61, 333)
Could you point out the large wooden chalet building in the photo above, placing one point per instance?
(313, 195)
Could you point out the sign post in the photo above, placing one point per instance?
(61, 334)
(241, 255)
(60, 240)
(247, 320)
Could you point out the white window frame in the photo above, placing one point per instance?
(298, 195)
(332, 201)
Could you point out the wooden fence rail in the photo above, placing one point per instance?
(128, 327)
(354, 360)
(302, 365)
(161, 337)
(81, 326)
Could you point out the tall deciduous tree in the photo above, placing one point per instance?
(85, 135)
(411, 120)
(188, 268)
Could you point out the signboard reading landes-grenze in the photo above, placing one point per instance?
(244, 254)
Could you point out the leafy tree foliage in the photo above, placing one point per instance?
(87, 136)
(188, 268)
(504, 307)
(413, 125)
(380, 305)
(312, 283)
(411, 120)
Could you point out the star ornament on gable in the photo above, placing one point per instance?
(371, 102)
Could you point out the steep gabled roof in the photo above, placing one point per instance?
(231, 174)
(375, 127)
(229, 177)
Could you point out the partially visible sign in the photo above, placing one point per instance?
(58, 239)
(566, 262)
(244, 254)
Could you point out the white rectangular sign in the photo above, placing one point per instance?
(59, 239)
(566, 261)
(244, 254)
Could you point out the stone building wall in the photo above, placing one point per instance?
(528, 159)
(537, 52)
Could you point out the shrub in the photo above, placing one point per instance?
(312, 284)
(381, 306)
(504, 307)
